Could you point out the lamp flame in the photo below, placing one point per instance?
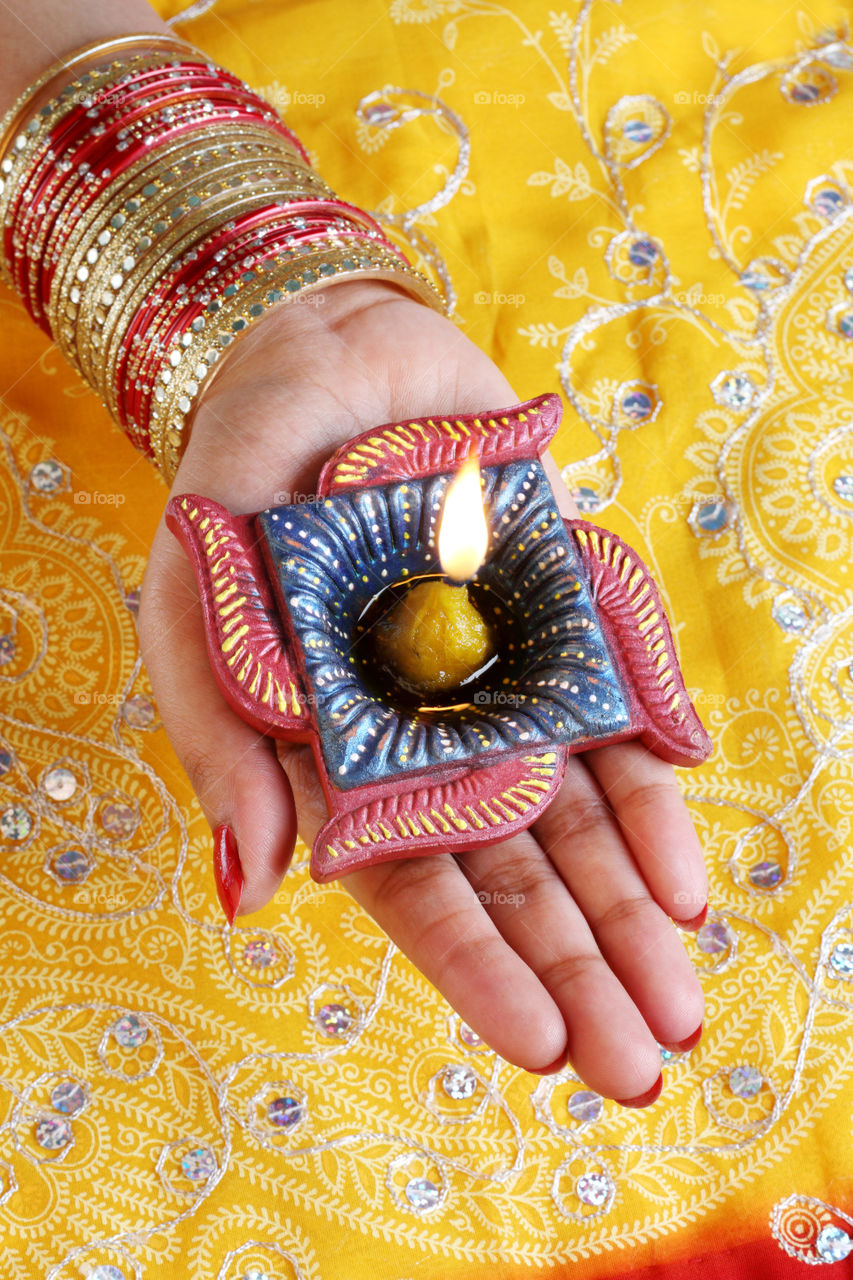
(463, 535)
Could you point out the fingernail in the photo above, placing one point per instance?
(689, 1043)
(644, 1098)
(227, 871)
(556, 1065)
(696, 922)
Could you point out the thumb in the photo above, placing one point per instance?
(234, 770)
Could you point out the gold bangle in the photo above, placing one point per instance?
(96, 50)
(283, 280)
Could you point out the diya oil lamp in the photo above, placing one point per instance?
(438, 633)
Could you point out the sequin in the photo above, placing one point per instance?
(421, 1193)
(667, 1055)
(68, 1097)
(7, 650)
(53, 1133)
(789, 614)
(458, 1081)
(15, 822)
(469, 1037)
(48, 476)
(59, 783)
(138, 712)
(843, 486)
(119, 819)
(713, 938)
(334, 1019)
(754, 280)
(746, 1082)
(833, 1244)
(586, 499)
(709, 517)
(584, 1106)
(594, 1189)
(254, 1273)
(260, 953)
(637, 405)
(71, 866)
(843, 324)
(198, 1164)
(642, 253)
(828, 203)
(765, 875)
(132, 599)
(284, 1112)
(106, 1271)
(842, 958)
(733, 390)
(848, 279)
(638, 131)
(6, 760)
(130, 1031)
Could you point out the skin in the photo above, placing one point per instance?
(590, 966)
(591, 963)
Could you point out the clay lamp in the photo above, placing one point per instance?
(438, 633)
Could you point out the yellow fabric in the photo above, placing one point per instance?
(537, 240)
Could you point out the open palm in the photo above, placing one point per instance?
(560, 940)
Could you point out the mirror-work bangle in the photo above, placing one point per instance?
(153, 207)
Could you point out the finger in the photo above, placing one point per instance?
(610, 1046)
(427, 907)
(233, 769)
(634, 934)
(643, 793)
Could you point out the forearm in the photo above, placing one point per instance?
(35, 36)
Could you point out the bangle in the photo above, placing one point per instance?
(145, 251)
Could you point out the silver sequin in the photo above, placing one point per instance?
(333, 1020)
(130, 1031)
(765, 875)
(422, 1194)
(284, 1112)
(833, 1244)
(138, 712)
(68, 1097)
(59, 783)
(48, 476)
(198, 1164)
(713, 938)
(746, 1082)
(584, 1106)
(15, 822)
(53, 1133)
(458, 1080)
(594, 1189)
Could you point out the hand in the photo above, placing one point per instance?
(589, 964)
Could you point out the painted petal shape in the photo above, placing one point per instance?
(245, 640)
(481, 807)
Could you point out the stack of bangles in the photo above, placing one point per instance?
(153, 206)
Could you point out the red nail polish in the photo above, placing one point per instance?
(696, 922)
(689, 1043)
(227, 871)
(556, 1065)
(644, 1098)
